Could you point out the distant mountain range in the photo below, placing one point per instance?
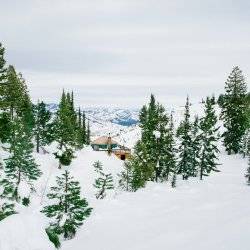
(120, 116)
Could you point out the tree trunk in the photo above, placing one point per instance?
(37, 143)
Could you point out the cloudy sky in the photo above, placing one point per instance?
(116, 52)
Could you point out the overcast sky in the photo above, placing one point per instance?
(116, 52)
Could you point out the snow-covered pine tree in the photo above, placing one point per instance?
(104, 181)
(185, 164)
(20, 166)
(7, 206)
(126, 177)
(14, 93)
(150, 135)
(168, 154)
(42, 125)
(84, 129)
(245, 144)
(25, 108)
(66, 130)
(79, 135)
(234, 108)
(208, 139)
(3, 77)
(5, 126)
(88, 132)
(195, 144)
(68, 210)
(161, 157)
(173, 181)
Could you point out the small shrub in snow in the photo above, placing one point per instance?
(103, 183)
(26, 201)
(68, 210)
(248, 172)
(65, 158)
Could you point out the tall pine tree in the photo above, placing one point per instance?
(234, 110)
(208, 139)
(42, 125)
(186, 165)
(66, 129)
(20, 166)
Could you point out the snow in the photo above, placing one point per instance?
(157, 134)
(24, 231)
(208, 214)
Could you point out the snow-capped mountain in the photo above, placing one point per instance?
(121, 124)
(123, 117)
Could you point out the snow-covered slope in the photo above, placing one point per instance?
(30, 221)
(208, 214)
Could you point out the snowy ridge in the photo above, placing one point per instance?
(208, 214)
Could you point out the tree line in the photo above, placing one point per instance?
(164, 153)
(190, 150)
(25, 126)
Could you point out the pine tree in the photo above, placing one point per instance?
(185, 165)
(68, 210)
(42, 125)
(66, 130)
(195, 144)
(84, 130)
(81, 129)
(168, 154)
(126, 177)
(208, 139)
(234, 110)
(104, 181)
(14, 93)
(173, 182)
(7, 207)
(139, 168)
(3, 76)
(88, 134)
(66, 122)
(20, 166)
(5, 126)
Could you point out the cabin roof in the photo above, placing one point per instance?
(104, 140)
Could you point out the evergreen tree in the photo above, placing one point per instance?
(195, 144)
(126, 177)
(81, 130)
(208, 139)
(3, 76)
(173, 182)
(42, 125)
(68, 210)
(88, 134)
(234, 108)
(5, 126)
(103, 183)
(66, 122)
(20, 166)
(186, 165)
(168, 155)
(7, 207)
(138, 169)
(84, 129)
(14, 92)
(66, 130)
